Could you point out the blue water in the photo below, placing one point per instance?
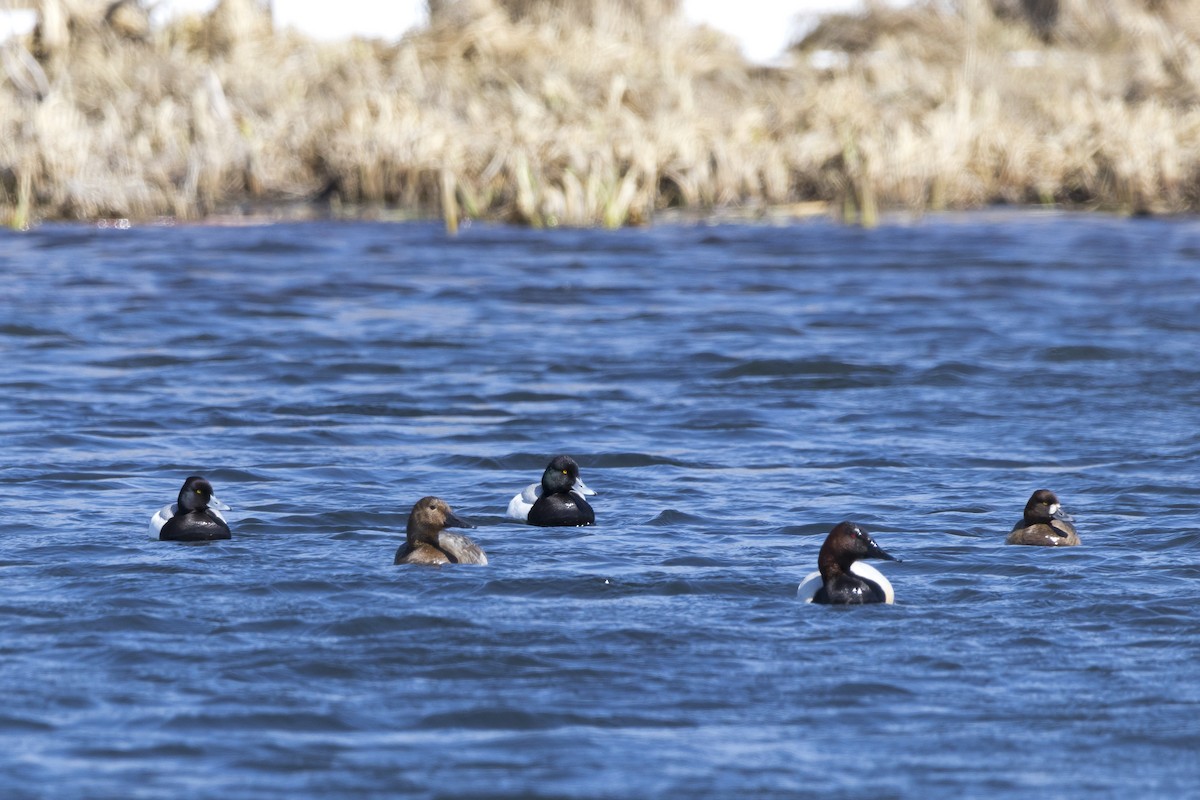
(730, 391)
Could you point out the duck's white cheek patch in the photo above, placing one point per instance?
(1053, 509)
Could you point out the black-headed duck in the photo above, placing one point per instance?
(558, 500)
(194, 517)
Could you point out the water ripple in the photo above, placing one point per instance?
(730, 391)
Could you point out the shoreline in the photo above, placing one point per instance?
(889, 218)
(515, 112)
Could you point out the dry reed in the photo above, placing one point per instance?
(606, 112)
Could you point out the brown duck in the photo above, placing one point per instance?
(428, 541)
(1045, 523)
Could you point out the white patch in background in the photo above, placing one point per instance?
(170, 9)
(323, 20)
(17, 22)
(765, 28)
(327, 21)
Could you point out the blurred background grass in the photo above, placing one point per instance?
(600, 112)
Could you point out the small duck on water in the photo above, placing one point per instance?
(1044, 524)
(557, 501)
(194, 517)
(842, 578)
(428, 542)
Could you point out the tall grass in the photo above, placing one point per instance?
(606, 112)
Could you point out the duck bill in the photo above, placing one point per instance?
(580, 487)
(213, 502)
(455, 521)
(1058, 512)
(880, 553)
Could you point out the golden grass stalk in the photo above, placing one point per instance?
(606, 112)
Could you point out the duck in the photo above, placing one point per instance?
(842, 578)
(428, 542)
(1044, 524)
(558, 500)
(194, 517)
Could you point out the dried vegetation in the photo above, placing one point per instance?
(585, 112)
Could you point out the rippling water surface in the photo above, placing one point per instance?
(730, 391)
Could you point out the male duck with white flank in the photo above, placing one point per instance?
(558, 500)
(842, 578)
(194, 517)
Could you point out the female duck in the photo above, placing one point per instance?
(1045, 523)
(428, 542)
(558, 500)
(194, 517)
(842, 579)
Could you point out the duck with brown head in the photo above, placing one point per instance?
(1044, 523)
(842, 578)
(428, 542)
